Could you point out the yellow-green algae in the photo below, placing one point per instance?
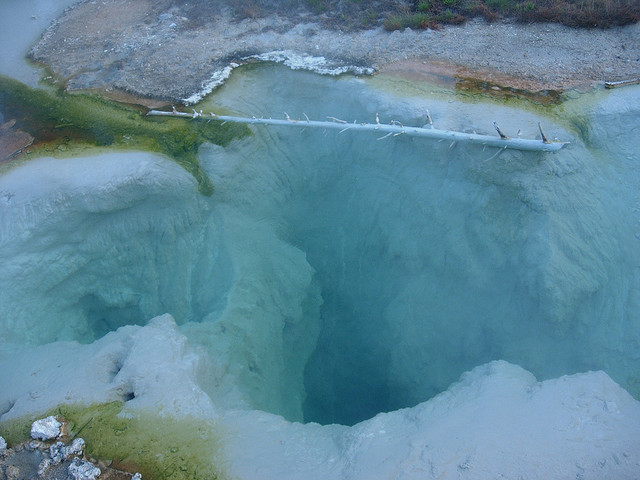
(59, 118)
(159, 447)
(566, 108)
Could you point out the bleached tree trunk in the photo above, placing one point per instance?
(388, 130)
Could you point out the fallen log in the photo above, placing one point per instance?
(393, 129)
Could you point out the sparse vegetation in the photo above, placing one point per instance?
(574, 13)
(400, 14)
(317, 6)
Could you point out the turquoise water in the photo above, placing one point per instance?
(339, 275)
(433, 258)
(21, 24)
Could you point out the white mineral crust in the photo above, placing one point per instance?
(60, 452)
(83, 470)
(75, 448)
(56, 452)
(45, 429)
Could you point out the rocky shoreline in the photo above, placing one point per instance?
(158, 51)
(52, 455)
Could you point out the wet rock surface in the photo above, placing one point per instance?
(171, 50)
(12, 140)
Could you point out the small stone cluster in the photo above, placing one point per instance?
(46, 457)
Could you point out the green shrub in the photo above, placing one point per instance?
(498, 5)
(318, 6)
(419, 21)
(394, 22)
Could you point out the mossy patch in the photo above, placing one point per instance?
(58, 120)
(158, 447)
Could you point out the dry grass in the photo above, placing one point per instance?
(574, 13)
(579, 13)
(417, 14)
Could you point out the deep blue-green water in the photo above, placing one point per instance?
(340, 275)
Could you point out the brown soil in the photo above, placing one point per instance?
(492, 82)
(12, 141)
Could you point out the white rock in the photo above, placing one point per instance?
(60, 452)
(83, 470)
(3, 444)
(75, 448)
(56, 452)
(45, 429)
(34, 445)
(136, 476)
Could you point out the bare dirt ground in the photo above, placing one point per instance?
(167, 50)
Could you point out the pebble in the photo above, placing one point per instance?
(44, 466)
(12, 473)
